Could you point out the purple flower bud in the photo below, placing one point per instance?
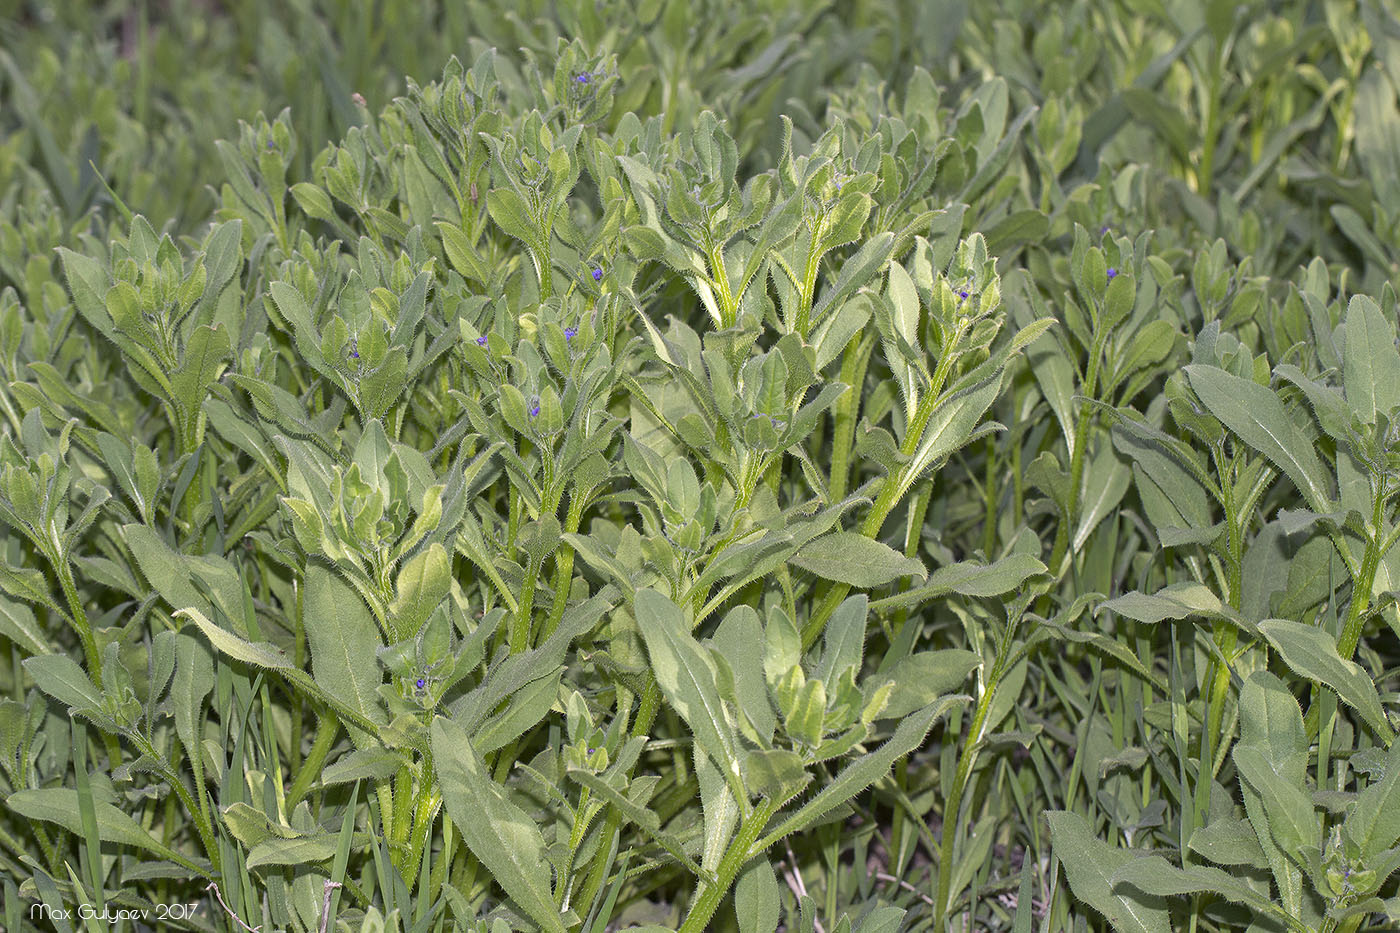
(1112, 272)
(962, 295)
(535, 410)
(597, 273)
(420, 683)
(582, 79)
(481, 341)
(1104, 229)
(271, 144)
(354, 354)
(570, 333)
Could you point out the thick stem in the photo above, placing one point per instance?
(853, 365)
(1361, 591)
(201, 823)
(522, 622)
(80, 619)
(734, 858)
(728, 309)
(1076, 468)
(646, 715)
(952, 812)
(564, 564)
(424, 816)
(809, 283)
(326, 730)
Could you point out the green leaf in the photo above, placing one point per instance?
(344, 641)
(1257, 415)
(643, 817)
(1154, 875)
(18, 624)
(60, 805)
(865, 770)
(756, 901)
(924, 676)
(512, 214)
(501, 835)
(1175, 601)
(527, 706)
(1229, 842)
(423, 583)
(1272, 757)
(687, 677)
(1106, 480)
(193, 680)
(1091, 865)
(775, 773)
(949, 427)
(843, 643)
(363, 764)
(300, 851)
(1371, 365)
(88, 282)
(201, 364)
(851, 558)
(735, 641)
(968, 578)
(64, 679)
(1374, 823)
(270, 657)
(1312, 653)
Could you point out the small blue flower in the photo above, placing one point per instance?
(481, 341)
(582, 79)
(962, 295)
(535, 410)
(420, 683)
(1112, 273)
(1104, 229)
(597, 273)
(354, 354)
(570, 333)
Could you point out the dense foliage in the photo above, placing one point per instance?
(793, 465)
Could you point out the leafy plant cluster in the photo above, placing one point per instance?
(702, 470)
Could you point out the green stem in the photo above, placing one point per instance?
(564, 564)
(854, 362)
(326, 730)
(424, 816)
(890, 485)
(546, 269)
(989, 499)
(521, 624)
(913, 534)
(698, 918)
(1076, 467)
(79, 617)
(403, 815)
(1361, 591)
(202, 824)
(952, 812)
(385, 793)
(646, 715)
(809, 281)
(728, 311)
